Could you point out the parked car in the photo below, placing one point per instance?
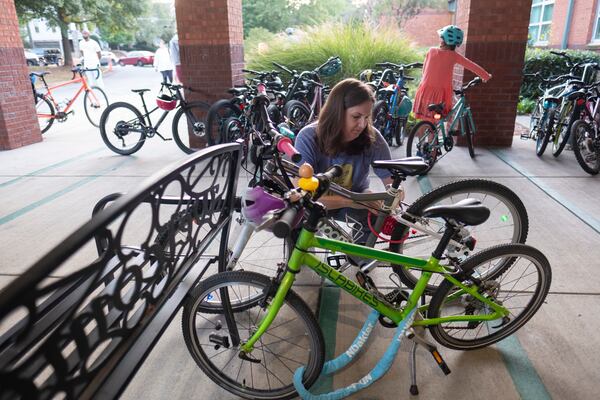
(108, 56)
(139, 58)
(53, 56)
(33, 59)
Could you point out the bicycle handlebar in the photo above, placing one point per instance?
(400, 66)
(80, 70)
(283, 68)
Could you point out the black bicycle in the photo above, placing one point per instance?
(124, 128)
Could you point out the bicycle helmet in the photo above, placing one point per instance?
(452, 35)
(332, 67)
(257, 202)
(166, 102)
(366, 75)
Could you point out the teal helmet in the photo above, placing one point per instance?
(452, 35)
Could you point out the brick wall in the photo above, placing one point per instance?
(18, 123)
(495, 39)
(211, 45)
(422, 28)
(582, 24)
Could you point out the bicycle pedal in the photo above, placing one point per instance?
(440, 361)
(337, 261)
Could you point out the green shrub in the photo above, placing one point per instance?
(548, 64)
(525, 106)
(358, 45)
(255, 37)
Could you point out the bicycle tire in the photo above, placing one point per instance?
(215, 119)
(544, 133)
(309, 332)
(584, 138)
(430, 156)
(195, 125)
(561, 138)
(399, 129)
(514, 206)
(43, 101)
(121, 128)
(493, 287)
(296, 114)
(380, 118)
(88, 105)
(470, 137)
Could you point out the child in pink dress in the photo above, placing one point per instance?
(436, 84)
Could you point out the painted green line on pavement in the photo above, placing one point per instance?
(328, 317)
(50, 167)
(30, 207)
(526, 379)
(583, 216)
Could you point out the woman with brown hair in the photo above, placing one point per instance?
(344, 135)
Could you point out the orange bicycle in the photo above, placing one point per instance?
(48, 109)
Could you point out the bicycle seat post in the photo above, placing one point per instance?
(445, 240)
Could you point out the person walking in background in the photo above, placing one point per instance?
(162, 62)
(90, 52)
(175, 60)
(436, 85)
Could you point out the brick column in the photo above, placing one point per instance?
(495, 38)
(18, 123)
(211, 43)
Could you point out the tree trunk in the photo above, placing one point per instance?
(64, 34)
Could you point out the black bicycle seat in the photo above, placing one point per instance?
(236, 91)
(140, 90)
(467, 211)
(39, 74)
(436, 107)
(406, 166)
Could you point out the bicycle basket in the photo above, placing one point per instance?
(166, 102)
(332, 67)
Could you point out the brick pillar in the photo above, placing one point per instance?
(495, 38)
(18, 123)
(211, 43)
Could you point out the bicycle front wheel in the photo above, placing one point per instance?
(520, 287)
(122, 128)
(544, 133)
(586, 146)
(95, 103)
(423, 142)
(470, 137)
(189, 126)
(45, 112)
(508, 223)
(294, 338)
(380, 119)
(563, 130)
(399, 131)
(297, 114)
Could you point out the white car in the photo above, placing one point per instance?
(33, 59)
(108, 56)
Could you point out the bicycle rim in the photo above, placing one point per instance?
(122, 127)
(95, 103)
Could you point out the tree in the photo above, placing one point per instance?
(110, 14)
(400, 10)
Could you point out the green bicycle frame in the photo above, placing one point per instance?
(300, 257)
(460, 110)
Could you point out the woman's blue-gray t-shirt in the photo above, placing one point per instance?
(356, 167)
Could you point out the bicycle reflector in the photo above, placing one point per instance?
(437, 116)
(166, 102)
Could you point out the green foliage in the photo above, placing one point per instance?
(277, 15)
(548, 64)
(525, 106)
(400, 10)
(255, 37)
(358, 45)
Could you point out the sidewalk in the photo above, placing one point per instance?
(48, 190)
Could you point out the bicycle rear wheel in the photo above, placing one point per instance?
(423, 142)
(189, 126)
(586, 146)
(95, 103)
(294, 338)
(521, 288)
(380, 119)
(45, 112)
(122, 128)
(563, 130)
(545, 132)
(399, 131)
(508, 223)
(220, 112)
(297, 114)
(470, 136)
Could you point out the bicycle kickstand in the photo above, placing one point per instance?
(419, 339)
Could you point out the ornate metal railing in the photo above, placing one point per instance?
(85, 334)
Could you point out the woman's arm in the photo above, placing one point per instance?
(473, 67)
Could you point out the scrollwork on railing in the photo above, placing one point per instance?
(65, 334)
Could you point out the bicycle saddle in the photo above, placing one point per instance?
(408, 166)
(467, 211)
(436, 107)
(40, 74)
(140, 90)
(236, 91)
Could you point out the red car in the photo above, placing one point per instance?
(139, 58)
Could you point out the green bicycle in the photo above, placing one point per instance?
(432, 142)
(259, 331)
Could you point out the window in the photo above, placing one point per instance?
(596, 31)
(540, 21)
